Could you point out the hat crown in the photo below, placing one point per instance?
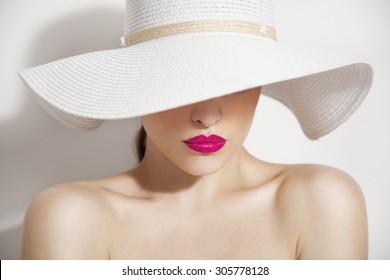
(144, 14)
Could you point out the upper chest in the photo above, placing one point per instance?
(240, 227)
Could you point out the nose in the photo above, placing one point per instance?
(206, 113)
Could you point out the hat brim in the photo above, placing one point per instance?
(321, 89)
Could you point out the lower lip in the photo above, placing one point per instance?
(205, 147)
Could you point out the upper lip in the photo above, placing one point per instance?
(213, 138)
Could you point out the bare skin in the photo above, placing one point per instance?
(232, 206)
(296, 212)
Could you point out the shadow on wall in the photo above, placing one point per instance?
(38, 151)
(9, 239)
(86, 31)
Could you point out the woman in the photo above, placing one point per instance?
(194, 74)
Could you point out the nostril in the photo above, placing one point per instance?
(206, 114)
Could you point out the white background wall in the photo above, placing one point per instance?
(36, 152)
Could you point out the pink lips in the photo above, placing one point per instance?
(205, 144)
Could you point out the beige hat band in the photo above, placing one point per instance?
(218, 25)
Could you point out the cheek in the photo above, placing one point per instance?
(241, 109)
(249, 101)
(162, 123)
(164, 130)
(250, 104)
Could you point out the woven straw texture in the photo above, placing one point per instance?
(322, 90)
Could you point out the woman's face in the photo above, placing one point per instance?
(182, 135)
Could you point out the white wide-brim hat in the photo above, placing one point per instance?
(177, 53)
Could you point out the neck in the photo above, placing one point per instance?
(160, 177)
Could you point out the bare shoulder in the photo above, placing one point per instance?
(66, 222)
(320, 182)
(328, 209)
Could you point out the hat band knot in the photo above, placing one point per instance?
(217, 25)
